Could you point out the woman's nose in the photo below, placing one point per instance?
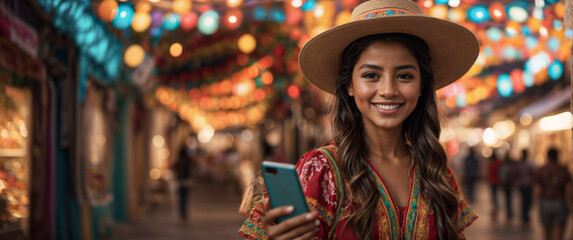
(387, 87)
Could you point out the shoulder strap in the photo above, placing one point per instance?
(339, 191)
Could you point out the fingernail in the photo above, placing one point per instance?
(309, 216)
(290, 208)
(317, 223)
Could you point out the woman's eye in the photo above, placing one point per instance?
(405, 76)
(370, 75)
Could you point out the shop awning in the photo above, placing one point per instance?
(548, 104)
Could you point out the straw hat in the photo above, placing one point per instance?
(453, 48)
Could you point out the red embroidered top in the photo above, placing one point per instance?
(319, 182)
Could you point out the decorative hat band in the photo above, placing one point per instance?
(384, 13)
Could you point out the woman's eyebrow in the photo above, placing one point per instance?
(407, 66)
(366, 65)
(402, 67)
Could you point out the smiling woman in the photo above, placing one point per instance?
(385, 174)
(385, 83)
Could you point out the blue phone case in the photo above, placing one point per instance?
(284, 187)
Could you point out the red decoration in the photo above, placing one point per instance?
(189, 21)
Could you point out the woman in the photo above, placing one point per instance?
(553, 190)
(385, 175)
(493, 166)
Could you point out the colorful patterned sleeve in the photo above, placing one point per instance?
(318, 184)
(319, 188)
(466, 215)
(253, 227)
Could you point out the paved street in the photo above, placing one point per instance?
(214, 216)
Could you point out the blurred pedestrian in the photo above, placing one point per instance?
(471, 167)
(507, 178)
(524, 174)
(493, 167)
(553, 190)
(183, 174)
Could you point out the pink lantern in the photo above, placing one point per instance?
(233, 19)
(189, 21)
(293, 16)
(497, 11)
(517, 80)
(349, 3)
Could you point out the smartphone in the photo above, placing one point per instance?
(283, 187)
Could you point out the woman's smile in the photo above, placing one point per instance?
(387, 108)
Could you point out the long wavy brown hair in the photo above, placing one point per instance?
(421, 131)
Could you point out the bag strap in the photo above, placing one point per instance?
(339, 191)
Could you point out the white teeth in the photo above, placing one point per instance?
(387, 107)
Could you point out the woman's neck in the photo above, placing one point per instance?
(386, 145)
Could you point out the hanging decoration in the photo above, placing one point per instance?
(123, 17)
(208, 22)
(134, 55)
(141, 21)
(523, 43)
(102, 49)
(247, 43)
(107, 10)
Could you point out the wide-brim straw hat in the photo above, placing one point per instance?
(453, 48)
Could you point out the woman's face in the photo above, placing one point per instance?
(386, 84)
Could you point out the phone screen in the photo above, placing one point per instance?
(283, 187)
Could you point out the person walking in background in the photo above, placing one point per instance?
(182, 170)
(493, 167)
(471, 166)
(524, 174)
(553, 192)
(507, 177)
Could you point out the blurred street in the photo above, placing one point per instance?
(214, 216)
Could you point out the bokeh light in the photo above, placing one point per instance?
(181, 6)
(247, 43)
(504, 85)
(124, 16)
(176, 49)
(555, 70)
(478, 14)
(141, 21)
(134, 55)
(107, 10)
(208, 22)
(171, 22)
(189, 21)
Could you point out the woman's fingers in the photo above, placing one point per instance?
(309, 235)
(302, 226)
(266, 204)
(271, 215)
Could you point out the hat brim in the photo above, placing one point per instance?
(453, 48)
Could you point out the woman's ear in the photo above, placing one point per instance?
(351, 91)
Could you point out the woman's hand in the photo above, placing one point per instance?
(303, 226)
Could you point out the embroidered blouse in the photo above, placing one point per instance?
(319, 183)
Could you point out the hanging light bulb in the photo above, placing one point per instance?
(247, 43)
(176, 49)
(233, 3)
(181, 6)
(134, 55)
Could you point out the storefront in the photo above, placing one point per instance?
(15, 160)
(21, 75)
